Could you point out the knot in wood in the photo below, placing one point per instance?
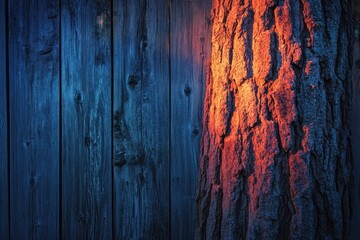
(133, 80)
(32, 182)
(187, 90)
(195, 131)
(78, 97)
(87, 141)
(27, 48)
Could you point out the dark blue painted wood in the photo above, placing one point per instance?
(141, 119)
(34, 119)
(4, 194)
(190, 51)
(86, 119)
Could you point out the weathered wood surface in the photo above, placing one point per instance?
(190, 52)
(276, 151)
(34, 119)
(355, 229)
(86, 119)
(156, 125)
(79, 106)
(141, 119)
(4, 194)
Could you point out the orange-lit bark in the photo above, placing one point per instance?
(275, 160)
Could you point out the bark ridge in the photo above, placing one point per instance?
(276, 153)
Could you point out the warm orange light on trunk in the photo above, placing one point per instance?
(269, 161)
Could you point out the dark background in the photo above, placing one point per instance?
(356, 121)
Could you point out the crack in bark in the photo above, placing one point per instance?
(277, 118)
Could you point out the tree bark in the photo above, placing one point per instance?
(276, 154)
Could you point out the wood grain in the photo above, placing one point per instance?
(141, 119)
(190, 52)
(34, 119)
(86, 119)
(4, 194)
(65, 77)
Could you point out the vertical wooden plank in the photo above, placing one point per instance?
(34, 115)
(4, 197)
(141, 119)
(355, 230)
(190, 51)
(86, 119)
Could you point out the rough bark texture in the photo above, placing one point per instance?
(276, 152)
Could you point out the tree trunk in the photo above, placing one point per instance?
(276, 153)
